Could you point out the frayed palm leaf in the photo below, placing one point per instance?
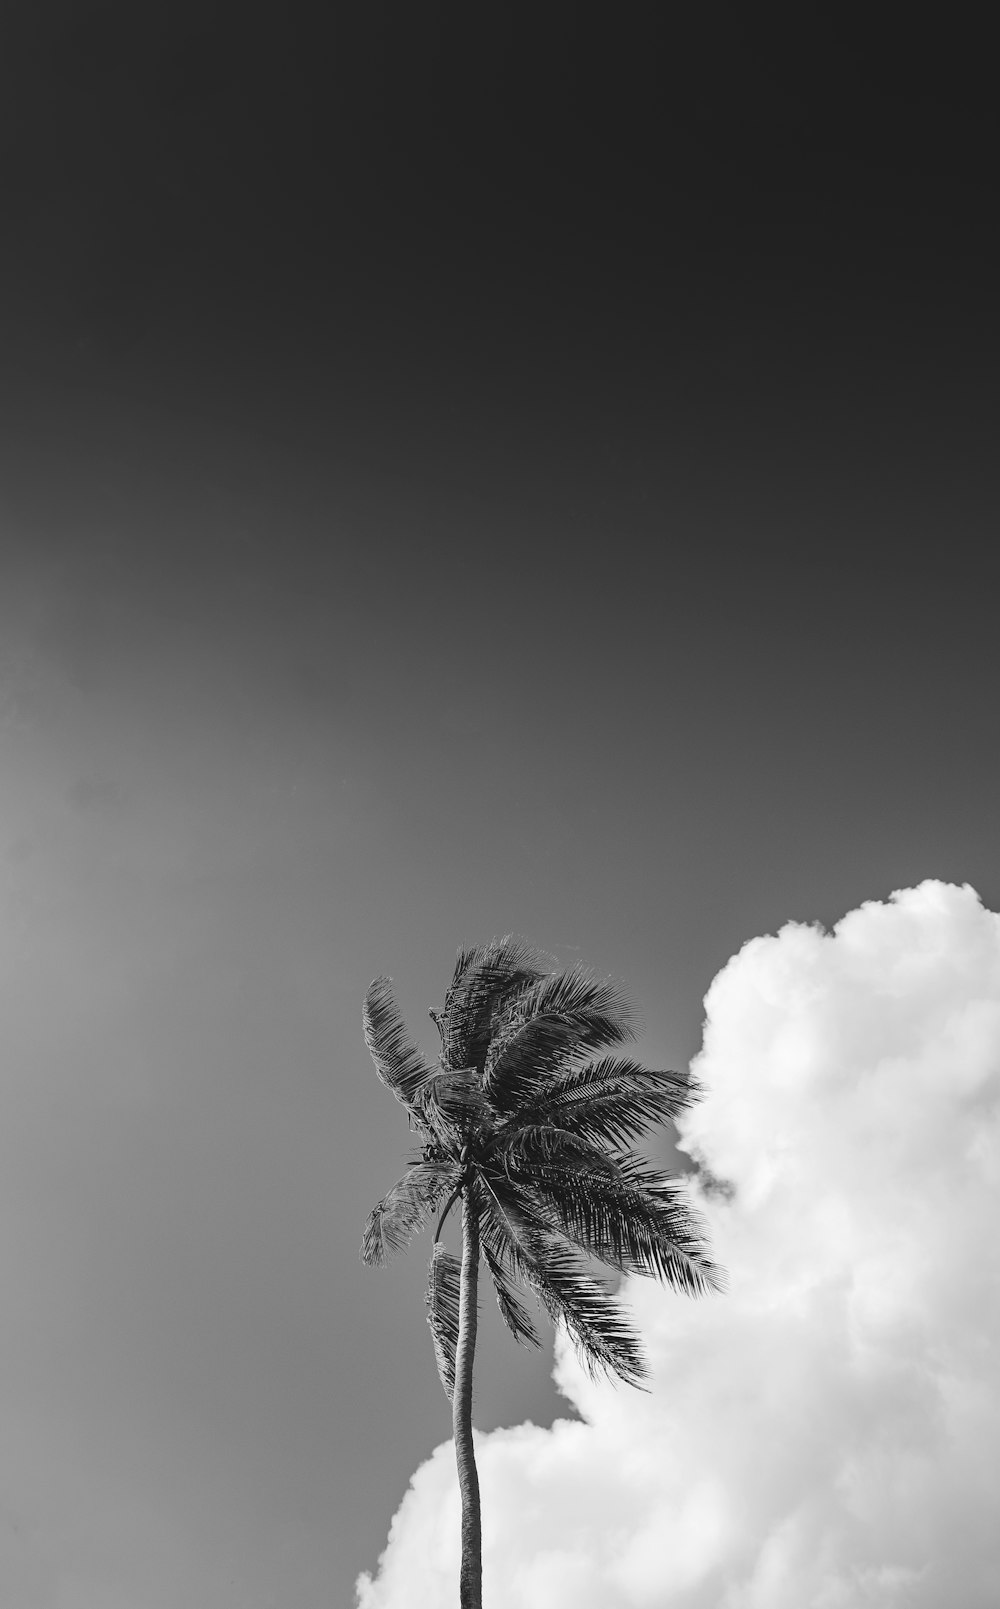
(444, 1277)
(394, 1221)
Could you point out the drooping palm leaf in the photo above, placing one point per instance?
(395, 1219)
(398, 1063)
(516, 1230)
(444, 1277)
(601, 1331)
(512, 1310)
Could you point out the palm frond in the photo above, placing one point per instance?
(515, 1231)
(501, 964)
(395, 1219)
(512, 1310)
(690, 1266)
(560, 1018)
(485, 977)
(611, 1101)
(600, 1329)
(444, 1283)
(398, 1063)
(634, 1219)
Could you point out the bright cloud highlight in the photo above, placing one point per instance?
(827, 1434)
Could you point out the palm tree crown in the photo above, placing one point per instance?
(527, 1115)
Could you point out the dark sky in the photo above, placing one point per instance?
(459, 473)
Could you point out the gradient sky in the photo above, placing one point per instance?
(456, 477)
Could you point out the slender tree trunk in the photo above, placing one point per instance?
(471, 1580)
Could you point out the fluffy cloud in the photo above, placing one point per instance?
(827, 1434)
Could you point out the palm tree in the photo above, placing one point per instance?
(525, 1117)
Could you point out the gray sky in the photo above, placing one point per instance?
(241, 775)
(375, 585)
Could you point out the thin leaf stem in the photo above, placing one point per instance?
(447, 1208)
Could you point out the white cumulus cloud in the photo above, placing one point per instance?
(827, 1434)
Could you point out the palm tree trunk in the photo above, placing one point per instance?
(471, 1579)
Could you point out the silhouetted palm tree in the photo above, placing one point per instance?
(526, 1122)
